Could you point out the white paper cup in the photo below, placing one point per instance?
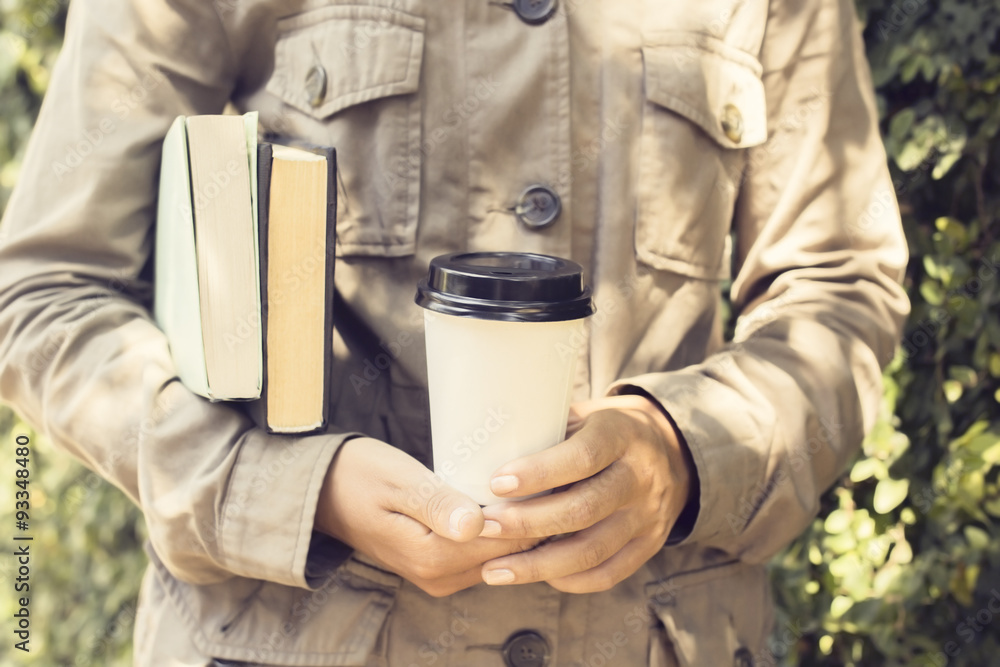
(503, 335)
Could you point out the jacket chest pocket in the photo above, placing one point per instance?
(348, 75)
(704, 105)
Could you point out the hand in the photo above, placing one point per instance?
(629, 476)
(386, 504)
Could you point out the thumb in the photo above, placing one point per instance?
(443, 509)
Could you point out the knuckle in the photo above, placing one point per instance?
(521, 546)
(521, 524)
(531, 570)
(561, 522)
(593, 554)
(590, 452)
(436, 507)
(583, 509)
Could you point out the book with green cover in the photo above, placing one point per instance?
(207, 274)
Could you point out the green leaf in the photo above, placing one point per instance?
(953, 229)
(902, 552)
(837, 522)
(902, 121)
(952, 390)
(867, 468)
(889, 494)
(976, 537)
(986, 447)
(840, 606)
(932, 292)
(972, 433)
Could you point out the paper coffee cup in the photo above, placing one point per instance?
(503, 334)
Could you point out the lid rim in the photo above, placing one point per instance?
(520, 311)
(511, 286)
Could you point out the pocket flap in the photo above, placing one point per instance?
(254, 622)
(710, 83)
(366, 53)
(716, 615)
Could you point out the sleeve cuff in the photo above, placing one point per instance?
(720, 435)
(270, 507)
(689, 515)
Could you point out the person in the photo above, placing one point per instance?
(665, 146)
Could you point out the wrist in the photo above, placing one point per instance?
(678, 455)
(687, 491)
(328, 519)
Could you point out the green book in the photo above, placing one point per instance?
(207, 291)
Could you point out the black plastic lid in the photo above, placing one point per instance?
(509, 286)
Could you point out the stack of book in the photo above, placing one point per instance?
(244, 268)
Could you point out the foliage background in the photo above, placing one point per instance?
(901, 564)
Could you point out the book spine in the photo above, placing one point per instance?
(264, 151)
(331, 241)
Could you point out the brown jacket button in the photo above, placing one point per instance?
(742, 658)
(526, 649)
(732, 123)
(316, 85)
(538, 207)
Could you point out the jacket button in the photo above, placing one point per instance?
(732, 123)
(316, 85)
(535, 12)
(742, 658)
(538, 207)
(526, 649)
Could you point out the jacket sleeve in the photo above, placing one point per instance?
(773, 418)
(79, 355)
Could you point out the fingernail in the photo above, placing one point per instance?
(490, 529)
(504, 484)
(498, 577)
(456, 520)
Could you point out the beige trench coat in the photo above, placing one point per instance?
(661, 126)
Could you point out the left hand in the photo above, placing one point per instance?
(629, 477)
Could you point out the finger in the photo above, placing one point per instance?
(578, 553)
(588, 451)
(611, 572)
(426, 497)
(579, 507)
(436, 586)
(447, 555)
(448, 585)
(427, 556)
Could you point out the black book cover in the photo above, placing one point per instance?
(259, 411)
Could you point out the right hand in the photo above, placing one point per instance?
(387, 505)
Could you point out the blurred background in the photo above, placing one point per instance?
(902, 567)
